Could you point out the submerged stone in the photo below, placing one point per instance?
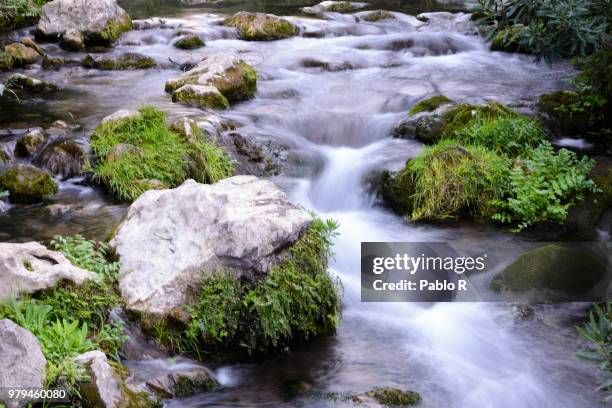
(30, 143)
(20, 81)
(21, 54)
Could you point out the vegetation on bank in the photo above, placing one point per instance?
(19, 13)
(69, 319)
(297, 300)
(139, 153)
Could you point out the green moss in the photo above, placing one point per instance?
(398, 191)
(114, 29)
(238, 83)
(379, 15)
(340, 7)
(128, 60)
(429, 104)
(393, 397)
(512, 136)
(162, 155)
(6, 61)
(189, 42)
(28, 265)
(508, 39)
(452, 180)
(556, 107)
(27, 184)
(552, 267)
(191, 95)
(28, 144)
(463, 115)
(260, 27)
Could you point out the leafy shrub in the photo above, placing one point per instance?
(92, 255)
(295, 301)
(508, 135)
(550, 29)
(598, 332)
(544, 186)
(451, 179)
(158, 154)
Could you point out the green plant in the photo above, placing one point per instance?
(544, 186)
(450, 179)
(508, 135)
(110, 339)
(87, 254)
(153, 156)
(598, 332)
(549, 29)
(296, 300)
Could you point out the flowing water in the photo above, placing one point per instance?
(332, 98)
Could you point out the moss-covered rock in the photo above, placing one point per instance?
(508, 39)
(21, 54)
(391, 397)
(64, 158)
(189, 42)
(445, 181)
(6, 61)
(30, 143)
(234, 78)
(27, 184)
(4, 156)
(202, 96)
(379, 15)
(128, 60)
(260, 26)
(430, 104)
(554, 267)
(113, 30)
(340, 6)
(21, 81)
(51, 62)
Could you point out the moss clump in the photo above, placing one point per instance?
(30, 143)
(27, 184)
(113, 30)
(429, 104)
(447, 180)
(512, 136)
(393, 397)
(129, 60)
(238, 83)
(379, 15)
(552, 267)
(161, 154)
(463, 115)
(260, 27)
(340, 7)
(189, 42)
(200, 96)
(297, 300)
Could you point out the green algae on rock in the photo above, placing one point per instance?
(189, 42)
(27, 184)
(260, 26)
(430, 104)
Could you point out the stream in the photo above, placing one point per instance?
(332, 98)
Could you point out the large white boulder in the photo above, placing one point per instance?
(22, 363)
(171, 239)
(30, 267)
(98, 21)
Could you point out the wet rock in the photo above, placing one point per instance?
(189, 42)
(388, 397)
(234, 78)
(202, 96)
(28, 42)
(21, 81)
(256, 155)
(554, 267)
(553, 108)
(6, 61)
(22, 362)
(397, 191)
(188, 128)
(171, 238)
(72, 40)
(188, 379)
(260, 26)
(27, 184)
(98, 21)
(21, 54)
(30, 143)
(59, 127)
(105, 388)
(50, 62)
(128, 60)
(120, 115)
(379, 15)
(333, 6)
(63, 158)
(30, 267)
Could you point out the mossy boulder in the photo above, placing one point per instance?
(21, 81)
(189, 42)
(430, 104)
(21, 54)
(379, 15)
(27, 184)
(446, 180)
(30, 143)
(570, 270)
(260, 26)
(202, 96)
(63, 158)
(235, 79)
(128, 60)
(508, 39)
